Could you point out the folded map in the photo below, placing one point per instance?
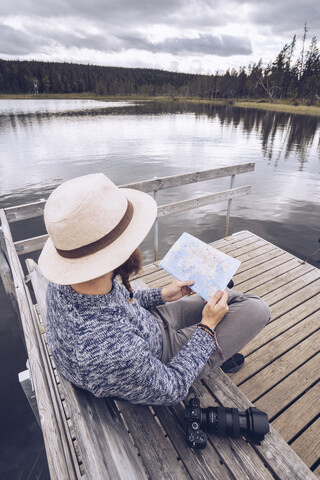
(191, 259)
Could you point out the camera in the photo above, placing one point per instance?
(253, 424)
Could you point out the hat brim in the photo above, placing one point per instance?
(65, 271)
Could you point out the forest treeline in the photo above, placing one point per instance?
(289, 76)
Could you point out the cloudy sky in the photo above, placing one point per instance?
(197, 36)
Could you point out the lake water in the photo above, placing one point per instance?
(45, 142)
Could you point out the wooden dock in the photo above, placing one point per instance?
(280, 376)
(282, 368)
(92, 438)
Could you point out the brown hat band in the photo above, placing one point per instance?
(102, 242)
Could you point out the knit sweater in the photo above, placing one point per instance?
(110, 347)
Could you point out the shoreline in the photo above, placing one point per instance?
(300, 109)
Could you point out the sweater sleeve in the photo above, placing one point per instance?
(150, 297)
(139, 377)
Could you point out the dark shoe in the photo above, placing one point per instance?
(230, 284)
(233, 364)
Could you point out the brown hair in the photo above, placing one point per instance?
(129, 267)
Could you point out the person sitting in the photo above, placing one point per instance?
(144, 346)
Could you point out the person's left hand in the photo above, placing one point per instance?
(176, 290)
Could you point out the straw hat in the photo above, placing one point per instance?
(93, 228)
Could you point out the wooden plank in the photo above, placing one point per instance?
(184, 205)
(259, 254)
(279, 369)
(242, 249)
(146, 269)
(308, 444)
(59, 458)
(290, 388)
(26, 384)
(274, 451)
(232, 240)
(299, 414)
(237, 245)
(295, 299)
(151, 277)
(292, 287)
(25, 211)
(280, 281)
(161, 282)
(40, 285)
(283, 323)
(277, 347)
(251, 264)
(104, 443)
(7, 280)
(150, 441)
(51, 379)
(264, 267)
(251, 284)
(55, 401)
(105, 446)
(30, 244)
(156, 184)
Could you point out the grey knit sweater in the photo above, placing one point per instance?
(110, 347)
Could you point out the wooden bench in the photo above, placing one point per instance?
(107, 439)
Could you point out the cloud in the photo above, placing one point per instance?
(223, 45)
(285, 17)
(203, 44)
(153, 32)
(49, 36)
(125, 13)
(16, 42)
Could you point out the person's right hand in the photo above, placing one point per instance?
(215, 309)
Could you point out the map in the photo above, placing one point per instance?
(191, 259)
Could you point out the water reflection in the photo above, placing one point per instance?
(295, 132)
(43, 143)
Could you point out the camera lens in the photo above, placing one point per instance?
(229, 422)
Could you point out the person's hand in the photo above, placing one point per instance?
(176, 290)
(215, 309)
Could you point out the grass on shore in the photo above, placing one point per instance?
(285, 107)
(282, 107)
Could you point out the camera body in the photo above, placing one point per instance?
(196, 438)
(252, 424)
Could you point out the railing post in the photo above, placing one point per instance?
(156, 231)
(229, 207)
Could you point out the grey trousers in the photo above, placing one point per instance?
(247, 315)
